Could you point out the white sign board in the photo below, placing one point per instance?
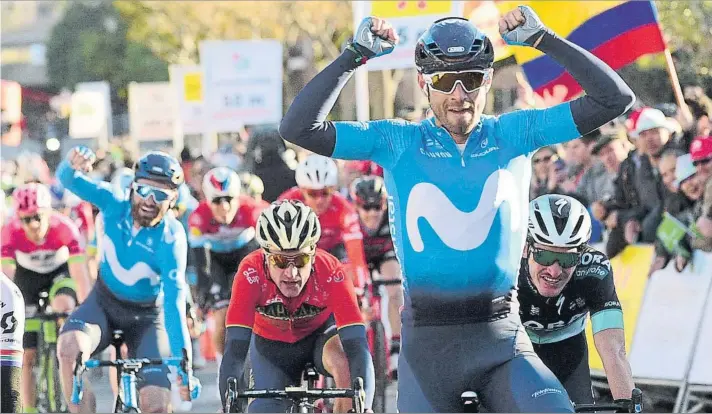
(242, 83)
(88, 116)
(91, 116)
(187, 85)
(410, 19)
(151, 111)
(701, 372)
(666, 333)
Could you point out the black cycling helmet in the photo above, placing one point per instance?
(453, 44)
(161, 167)
(368, 190)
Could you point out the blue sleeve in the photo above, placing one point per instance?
(95, 192)
(353, 339)
(530, 129)
(381, 141)
(175, 288)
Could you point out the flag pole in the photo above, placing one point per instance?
(675, 81)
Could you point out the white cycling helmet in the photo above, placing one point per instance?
(558, 221)
(221, 182)
(317, 172)
(288, 225)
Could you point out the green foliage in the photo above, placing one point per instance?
(90, 44)
(687, 26)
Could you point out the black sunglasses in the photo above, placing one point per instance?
(703, 161)
(30, 219)
(542, 159)
(547, 257)
(219, 200)
(371, 207)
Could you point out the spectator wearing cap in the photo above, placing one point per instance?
(610, 151)
(701, 157)
(691, 185)
(653, 130)
(675, 202)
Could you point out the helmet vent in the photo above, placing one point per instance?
(540, 221)
(434, 49)
(579, 223)
(476, 46)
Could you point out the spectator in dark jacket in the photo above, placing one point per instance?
(266, 159)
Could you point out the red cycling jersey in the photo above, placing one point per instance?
(203, 228)
(257, 303)
(61, 245)
(339, 225)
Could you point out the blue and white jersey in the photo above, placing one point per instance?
(458, 220)
(138, 265)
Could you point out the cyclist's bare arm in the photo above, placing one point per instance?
(606, 97)
(77, 263)
(79, 272)
(610, 344)
(9, 268)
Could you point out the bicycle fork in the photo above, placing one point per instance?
(128, 391)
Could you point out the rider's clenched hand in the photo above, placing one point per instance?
(522, 27)
(373, 37)
(81, 158)
(383, 29)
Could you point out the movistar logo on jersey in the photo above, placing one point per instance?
(129, 277)
(460, 230)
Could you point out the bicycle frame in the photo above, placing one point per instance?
(46, 324)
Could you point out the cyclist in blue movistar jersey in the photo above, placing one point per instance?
(458, 192)
(143, 264)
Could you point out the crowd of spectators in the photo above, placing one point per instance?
(651, 165)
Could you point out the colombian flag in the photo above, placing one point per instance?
(617, 32)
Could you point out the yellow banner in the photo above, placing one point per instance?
(630, 273)
(394, 9)
(193, 87)
(563, 17)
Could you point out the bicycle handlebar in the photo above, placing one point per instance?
(634, 405)
(53, 316)
(133, 364)
(357, 394)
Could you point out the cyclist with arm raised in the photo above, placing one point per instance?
(458, 186)
(141, 285)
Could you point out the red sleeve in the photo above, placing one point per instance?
(8, 248)
(353, 243)
(195, 221)
(342, 298)
(70, 236)
(292, 194)
(246, 292)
